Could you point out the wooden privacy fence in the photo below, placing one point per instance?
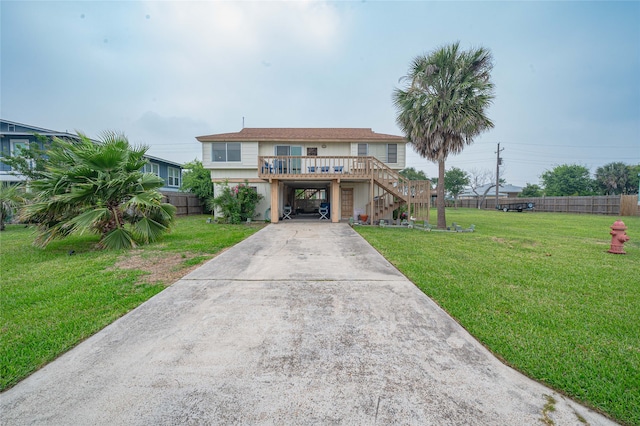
(623, 205)
(186, 204)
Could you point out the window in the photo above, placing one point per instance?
(392, 153)
(11, 127)
(151, 168)
(17, 145)
(173, 177)
(312, 152)
(226, 152)
(363, 149)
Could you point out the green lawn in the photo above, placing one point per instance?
(541, 292)
(51, 300)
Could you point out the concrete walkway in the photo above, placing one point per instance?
(302, 323)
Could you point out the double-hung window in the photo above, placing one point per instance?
(363, 149)
(226, 152)
(151, 168)
(392, 153)
(173, 177)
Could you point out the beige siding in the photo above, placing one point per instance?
(379, 150)
(250, 154)
(249, 158)
(338, 149)
(217, 174)
(206, 155)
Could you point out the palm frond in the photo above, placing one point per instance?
(119, 238)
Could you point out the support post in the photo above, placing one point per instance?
(275, 206)
(335, 201)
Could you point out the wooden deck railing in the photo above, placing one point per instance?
(312, 167)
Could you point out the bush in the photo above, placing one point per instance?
(236, 204)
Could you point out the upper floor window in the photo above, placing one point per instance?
(226, 151)
(392, 153)
(363, 149)
(312, 152)
(151, 168)
(11, 127)
(173, 177)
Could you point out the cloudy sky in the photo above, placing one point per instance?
(163, 72)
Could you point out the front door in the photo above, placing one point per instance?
(346, 203)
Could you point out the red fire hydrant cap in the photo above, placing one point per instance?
(618, 225)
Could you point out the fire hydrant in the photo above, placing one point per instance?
(618, 237)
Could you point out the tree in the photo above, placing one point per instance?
(413, 174)
(443, 107)
(29, 162)
(99, 188)
(236, 204)
(197, 179)
(530, 190)
(567, 179)
(11, 196)
(478, 180)
(455, 180)
(614, 178)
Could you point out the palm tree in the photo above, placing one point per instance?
(11, 196)
(98, 187)
(443, 105)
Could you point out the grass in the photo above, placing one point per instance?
(541, 292)
(51, 300)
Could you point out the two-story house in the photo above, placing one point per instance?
(15, 135)
(332, 173)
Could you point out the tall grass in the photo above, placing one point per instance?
(541, 292)
(53, 298)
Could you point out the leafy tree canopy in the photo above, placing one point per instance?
(531, 190)
(566, 180)
(413, 174)
(98, 188)
(455, 180)
(197, 180)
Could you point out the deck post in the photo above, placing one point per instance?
(275, 206)
(335, 201)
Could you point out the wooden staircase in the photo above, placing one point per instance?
(392, 190)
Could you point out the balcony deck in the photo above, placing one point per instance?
(314, 168)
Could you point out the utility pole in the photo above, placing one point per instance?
(498, 163)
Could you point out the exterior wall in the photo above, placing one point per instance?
(360, 197)
(337, 149)
(222, 174)
(248, 157)
(379, 150)
(263, 189)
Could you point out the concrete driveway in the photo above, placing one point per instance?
(302, 323)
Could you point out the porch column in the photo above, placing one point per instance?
(335, 201)
(275, 206)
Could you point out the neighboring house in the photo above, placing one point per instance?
(509, 191)
(350, 172)
(15, 135)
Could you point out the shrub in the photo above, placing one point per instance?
(236, 204)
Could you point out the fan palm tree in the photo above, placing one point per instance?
(98, 187)
(443, 106)
(11, 196)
